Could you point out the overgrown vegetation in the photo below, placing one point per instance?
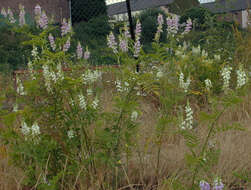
(176, 124)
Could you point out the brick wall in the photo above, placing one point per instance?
(59, 9)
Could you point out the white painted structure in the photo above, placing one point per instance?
(109, 2)
(206, 1)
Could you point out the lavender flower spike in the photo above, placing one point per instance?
(112, 43)
(52, 42)
(218, 185)
(43, 21)
(3, 12)
(66, 27)
(138, 29)
(160, 27)
(172, 25)
(37, 10)
(123, 44)
(22, 16)
(204, 185)
(137, 44)
(11, 16)
(67, 45)
(87, 54)
(188, 27)
(79, 51)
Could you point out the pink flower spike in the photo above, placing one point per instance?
(38, 10)
(79, 51)
(87, 54)
(43, 21)
(67, 45)
(22, 16)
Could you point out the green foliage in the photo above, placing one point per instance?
(93, 34)
(84, 11)
(180, 6)
(148, 19)
(199, 15)
(13, 54)
(62, 134)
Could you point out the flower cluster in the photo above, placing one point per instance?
(124, 39)
(120, 87)
(204, 185)
(111, 42)
(43, 20)
(89, 92)
(188, 26)
(65, 27)
(183, 84)
(34, 52)
(123, 44)
(4, 13)
(172, 25)
(22, 16)
(11, 16)
(67, 45)
(30, 69)
(208, 84)
(225, 73)
(70, 134)
(37, 10)
(38, 13)
(91, 76)
(15, 107)
(79, 51)
(137, 44)
(218, 185)
(51, 76)
(188, 123)
(52, 42)
(160, 27)
(87, 54)
(134, 116)
(47, 77)
(95, 103)
(196, 50)
(241, 77)
(34, 130)
(82, 101)
(20, 87)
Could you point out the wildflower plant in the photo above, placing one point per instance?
(67, 134)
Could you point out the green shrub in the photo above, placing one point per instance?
(180, 6)
(148, 19)
(93, 34)
(13, 54)
(87, 9)
(199, 15)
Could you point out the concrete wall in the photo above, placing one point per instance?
(59, 9)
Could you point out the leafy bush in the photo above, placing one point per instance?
(84, 11)
(148, 19)
(93, 34)
(199, 15)
(80, 126)
(13, 54)
(180, 6)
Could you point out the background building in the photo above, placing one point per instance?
(234, 10)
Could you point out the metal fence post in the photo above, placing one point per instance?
(129, 12)
(70, 11)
